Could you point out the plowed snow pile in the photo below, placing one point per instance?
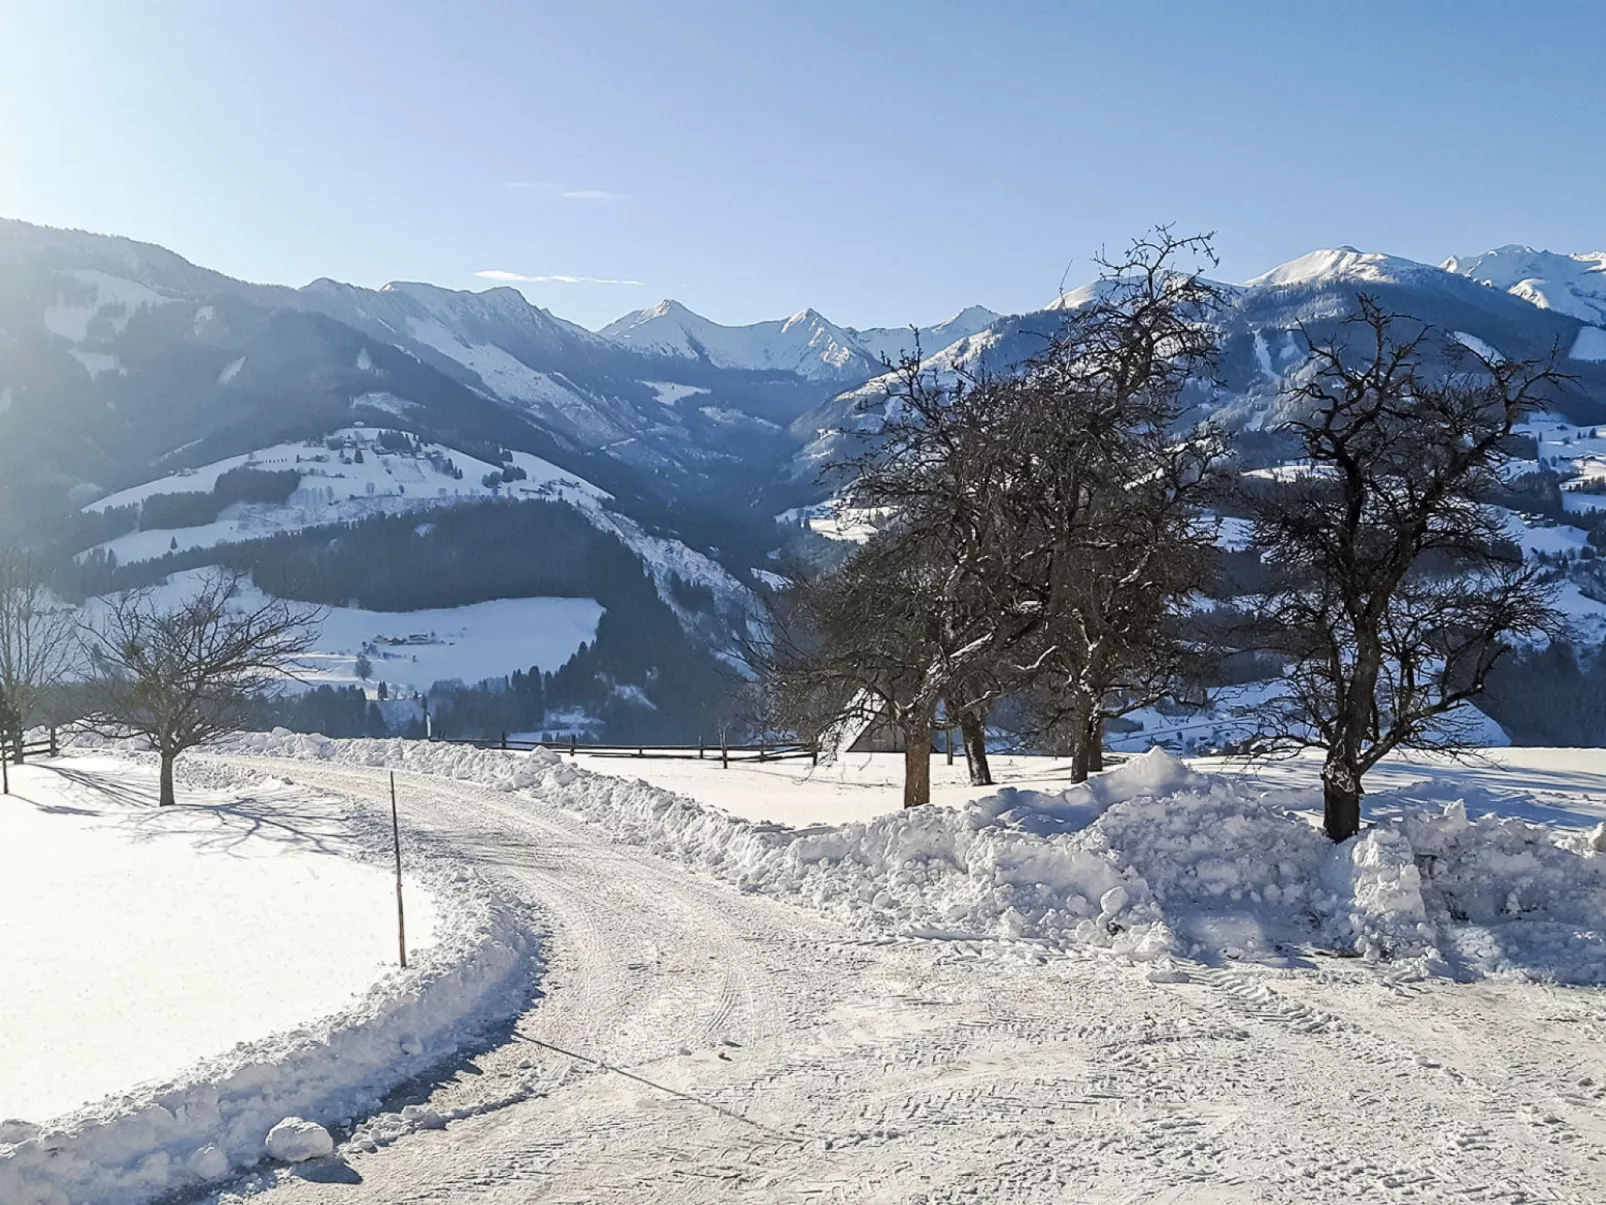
(1152, 860)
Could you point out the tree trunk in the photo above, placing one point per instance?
(975, 734)
(917, 762)
(1095, 745)
(1341, 797)
(1084, 742)
(167, 798)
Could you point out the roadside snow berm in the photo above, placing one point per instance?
(1208, 866)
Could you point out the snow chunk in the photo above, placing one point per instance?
(230, 371)
(295, 1140)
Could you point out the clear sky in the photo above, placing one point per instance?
(882, 162)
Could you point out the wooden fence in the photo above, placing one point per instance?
(724, 753)
(11, 753)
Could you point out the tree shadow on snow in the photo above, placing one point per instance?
(304, 822)
(115, 792)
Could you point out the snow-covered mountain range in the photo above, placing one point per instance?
(807, 344)
(1571, 284)
(122, 366)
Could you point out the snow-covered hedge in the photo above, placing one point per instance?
(1151, 859)
(215, 1118)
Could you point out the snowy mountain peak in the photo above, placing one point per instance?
(666, 308)
(1572, 284)
(1342, 263)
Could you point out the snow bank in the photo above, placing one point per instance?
(1150, 859)
(216, 1117)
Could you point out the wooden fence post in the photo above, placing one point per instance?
(724, 753)
(504, 740)
(401, 916)
(573, 742)
(55, 749)
(5, 772)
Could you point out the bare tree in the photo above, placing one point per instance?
(1395, 591)
(1040, 526)
(872, 638)
(38, 644)
(1120, 487)
(179, 675)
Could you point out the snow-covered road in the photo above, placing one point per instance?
(774, 1055)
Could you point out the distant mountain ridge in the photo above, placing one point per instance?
(807, 343)
(126, 357)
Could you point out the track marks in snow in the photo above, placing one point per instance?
(873, 1069)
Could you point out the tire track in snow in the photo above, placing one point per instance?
(922, 1070)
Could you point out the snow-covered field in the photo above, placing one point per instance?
(1143, 988)
(115, 909)
(416, 649)
(178, 980)
(484, 640)
(1566, 787)
(1152, 859)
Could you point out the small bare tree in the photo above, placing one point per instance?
(1394, 590)
(871, 638)
(179, 675)
(38, 644)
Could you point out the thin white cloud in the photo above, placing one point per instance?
(551, 278)
(592, 194)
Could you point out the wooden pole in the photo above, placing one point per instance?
(401, 915)
(5, 772)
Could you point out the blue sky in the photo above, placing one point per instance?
(884, 163)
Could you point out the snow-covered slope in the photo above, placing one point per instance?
(891, 342)
(336, 487)
(1569, 284)
(1332, 264)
